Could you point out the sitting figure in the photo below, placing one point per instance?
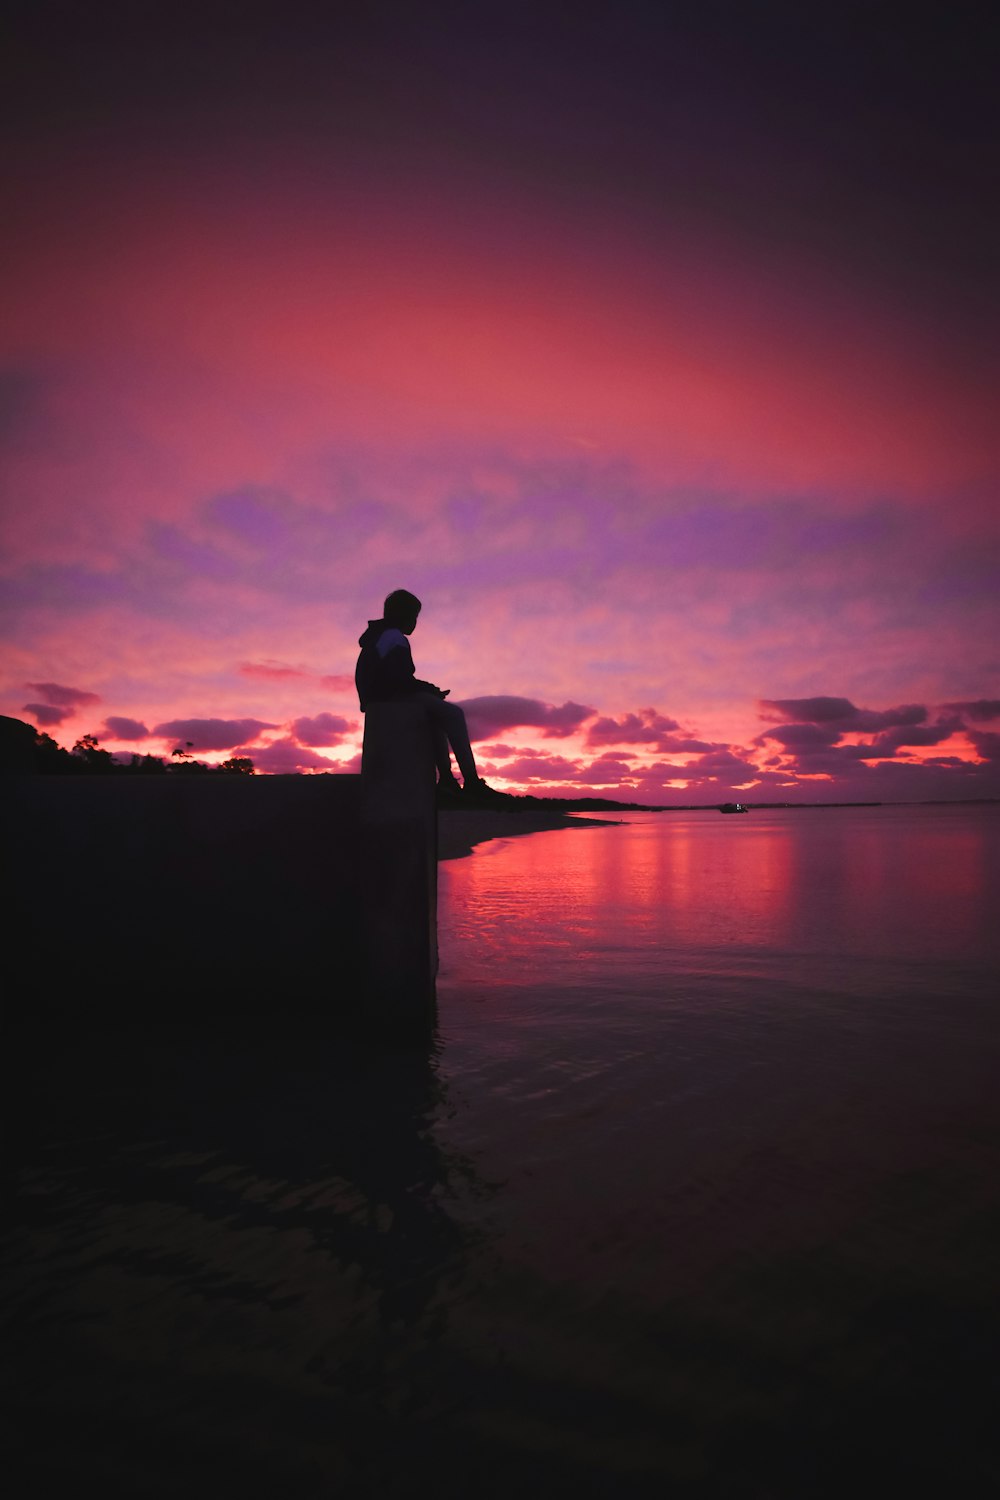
(385, 674)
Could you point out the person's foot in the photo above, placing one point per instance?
(480, 791)
(448, 790)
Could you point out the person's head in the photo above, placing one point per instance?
(401, 609)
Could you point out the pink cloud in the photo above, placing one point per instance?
(271, 671)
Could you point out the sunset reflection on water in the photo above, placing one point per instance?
(670, 884)
(713, 892)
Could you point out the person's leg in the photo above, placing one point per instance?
(439, 740)
(442, 755)
(458, 737)
(448, 726)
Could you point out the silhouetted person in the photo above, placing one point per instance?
(385, 674)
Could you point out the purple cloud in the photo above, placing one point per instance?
(808, 710)
(842, 712)
(870, 721)
(979, 709)
(257, 517)
(987, 744)
(61, 697)
(46, 714)
(816, 744)
(116, 728)
(886, 745)
(212, 734)
(804, 738)
(489, 716)
(321, 729)
(646, 727)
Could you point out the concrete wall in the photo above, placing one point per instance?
(186, 894)
(399, 867)
(188, 891)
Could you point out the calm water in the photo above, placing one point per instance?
(696, 1196)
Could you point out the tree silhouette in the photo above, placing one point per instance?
(183, 763)
(51, 759)
(145, 765)
(240, 765)
(94, 758)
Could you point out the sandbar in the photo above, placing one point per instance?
(459, 830)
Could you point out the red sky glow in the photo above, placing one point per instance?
(673, 404)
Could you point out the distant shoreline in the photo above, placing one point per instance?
(603, 805)
(460, 830)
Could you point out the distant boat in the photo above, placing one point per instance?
(734, 807)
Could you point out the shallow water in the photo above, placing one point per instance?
(697, 1193)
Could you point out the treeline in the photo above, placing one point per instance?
(27, 749)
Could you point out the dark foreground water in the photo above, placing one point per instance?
(697, 1194)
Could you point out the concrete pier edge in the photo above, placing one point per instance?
(398, 870)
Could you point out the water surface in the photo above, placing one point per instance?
(696, 1193)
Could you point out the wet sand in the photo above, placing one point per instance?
(459, 831)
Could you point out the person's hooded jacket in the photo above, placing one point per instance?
(385, 667)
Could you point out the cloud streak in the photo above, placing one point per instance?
(62, 697)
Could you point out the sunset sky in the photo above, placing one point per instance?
(652, 345)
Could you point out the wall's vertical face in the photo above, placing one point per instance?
(398, 870)
(156, 896)
(162, 895)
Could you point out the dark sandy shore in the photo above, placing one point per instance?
(459, 831)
